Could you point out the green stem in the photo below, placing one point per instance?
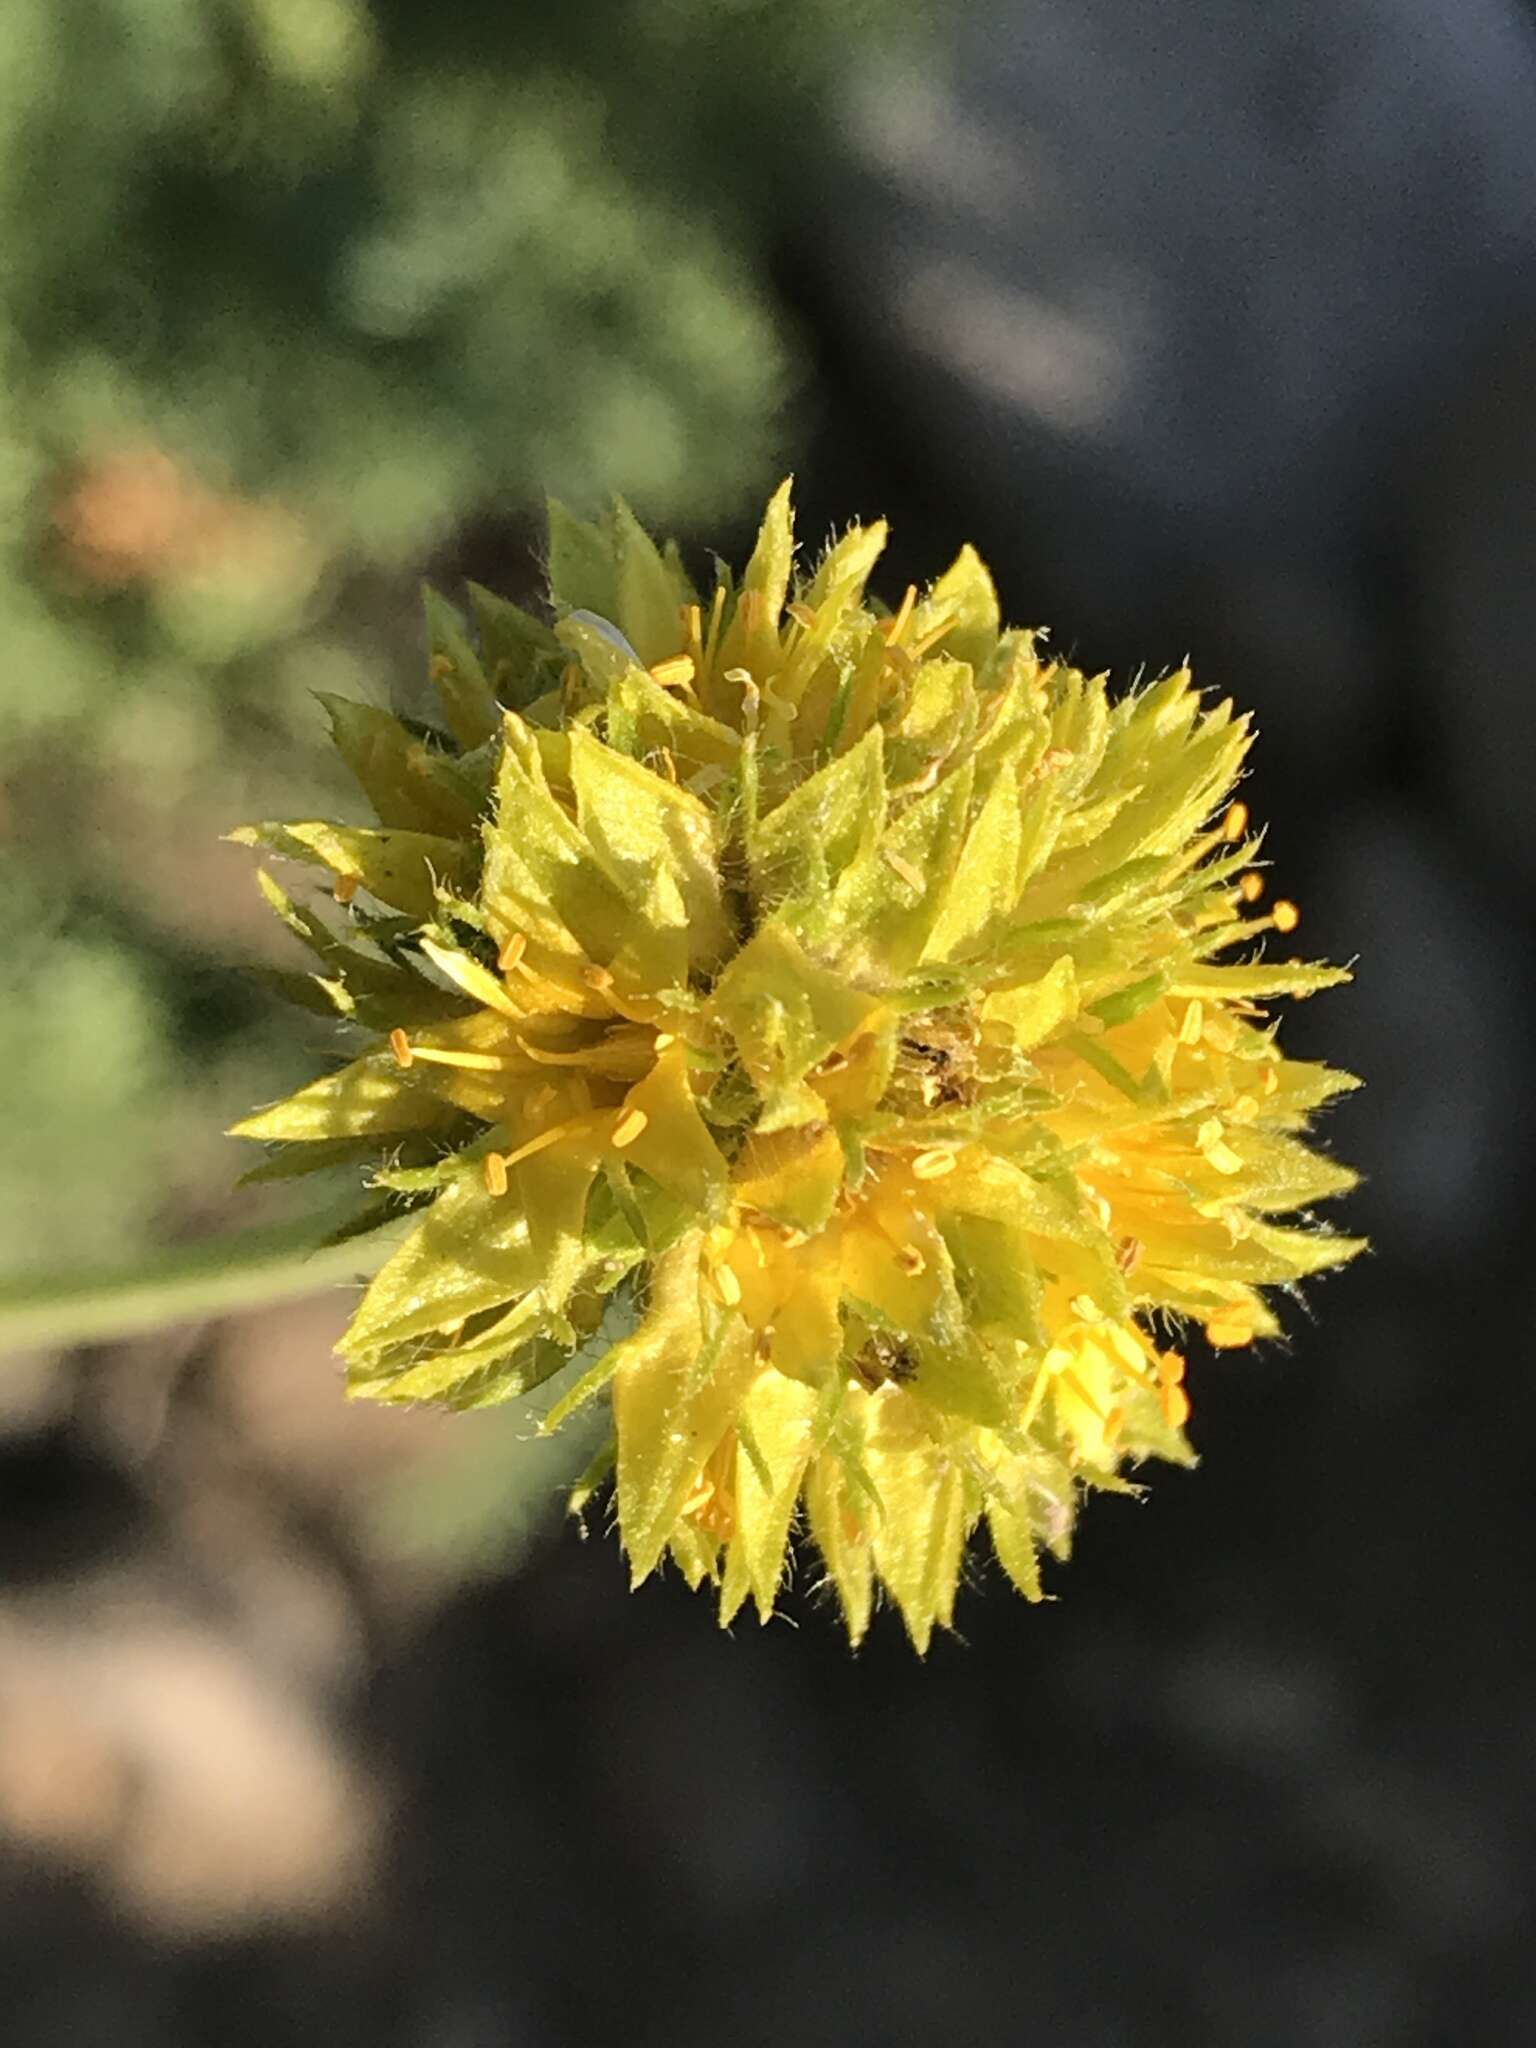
(217, 1277)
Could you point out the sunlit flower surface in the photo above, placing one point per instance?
(831, 1035)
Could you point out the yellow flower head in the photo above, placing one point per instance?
(830, 1035)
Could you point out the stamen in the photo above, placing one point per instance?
(1175, 1406)
(1235, 823)
(628, 1128)
(495, 1174)
(664, 1039)
(344, 888)
(701, 1496)
(802, 615)
(1086, 1309)
(1193, 1022)
(669, 765)
(893, 628)
(1070, 1379)
(911, 1260)
(716, 609)
(1114, 1423)
(935, 1164)
(900, 865)
(937, 630)
(598, 978)
(471, 1062)
(1251, 887)
(1284, 915)
(729, 1286)
(1129, 1353)
(539, 1144)
(1128, 1254)
(512, 952)
(400, 1046)
(1215, 1149)
(1054, 758)
(676, 670)
(1171, 1368)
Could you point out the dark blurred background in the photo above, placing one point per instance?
(1215, 329)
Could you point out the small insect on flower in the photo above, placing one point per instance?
(834, 1039)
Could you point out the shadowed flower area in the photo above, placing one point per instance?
(831, 1035)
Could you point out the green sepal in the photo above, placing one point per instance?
(469, 702)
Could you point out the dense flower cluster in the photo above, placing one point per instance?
(829, 1035)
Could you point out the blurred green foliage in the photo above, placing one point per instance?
(293, 290)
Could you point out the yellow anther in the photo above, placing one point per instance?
(1175, 1406)
(1054, 758)
(1284, 915)
(935, 1164)
(1271, 1080)
(512, 952)
(344, 888)
(911, 1260)
(676, 670)
(1170, 1368)
(1128, 1254)
(598, 978)
(664, 1039)
(1114, 1423)
(1209, 1133)
(400, 1046)
(1192, 1023)
(1251, 887)
(669, 764)
(1244, 1109)
(900, 865)
(802, 615)
(1102, 1210)
(1235, 823)
(1086, 1309)
(729, 1286)
(628, 1128)
(495, 1174)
